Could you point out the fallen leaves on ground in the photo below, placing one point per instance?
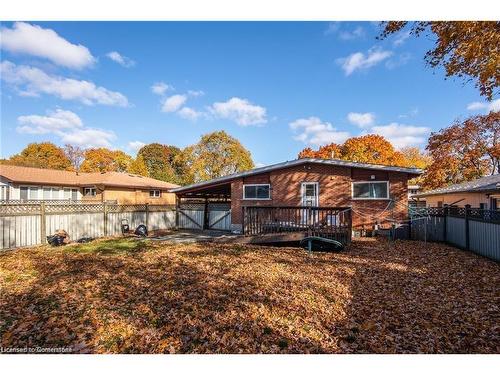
(129, 296)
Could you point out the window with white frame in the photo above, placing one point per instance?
(74, 194)
(50, 193)
(370, 190)
(33, 193)
(67, 193)
(155, 193)
(257, 191)
(3, 192)
(89, 192)
(23, 193)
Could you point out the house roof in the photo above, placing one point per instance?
(41, 176)
(483, 184)
(291, 163)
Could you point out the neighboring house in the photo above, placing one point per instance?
(481, 193)
(36, 184)
(376, 193)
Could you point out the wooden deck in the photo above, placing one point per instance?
(290, 223)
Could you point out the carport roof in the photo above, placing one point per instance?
(292, 163)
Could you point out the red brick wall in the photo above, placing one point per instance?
(334, 190)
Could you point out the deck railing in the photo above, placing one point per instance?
(327, 222)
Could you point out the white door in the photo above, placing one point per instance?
(310, 198)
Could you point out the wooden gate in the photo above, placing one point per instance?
(191, 216)
(219, 216)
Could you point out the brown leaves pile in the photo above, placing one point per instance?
(378, 297)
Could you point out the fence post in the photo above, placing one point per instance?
(467, 208)
(445, 222)
(105, 218)
(42, 222)
(177, 208)
(147, 215)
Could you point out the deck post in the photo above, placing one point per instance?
(242, 220)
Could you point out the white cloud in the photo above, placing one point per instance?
(54, 121)
(360, 61)
(361, 119)
(67, 126)
(358, 32)
(402, 135)
(491, 106)
(31, 81)
(120, 59)
(196, 93)
(332, 28)
(89, 138)
(173, 103)
(160, 88)
(189, 113)
(34, 40)
(315, 132)
(240, 111)
(342, 33)
(397, 61)
(400, 38)
(135, 145)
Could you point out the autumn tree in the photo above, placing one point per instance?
(330, 151)
(465, 151)
(373, 149)
(216, 154)
(370, 148)
(466, 49)
(41, 155)
(415, 158)
(75, 155)
(159, 160)
(105, 160)
(138, 166)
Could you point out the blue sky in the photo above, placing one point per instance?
(276, 86)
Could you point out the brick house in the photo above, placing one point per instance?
(22, 184)
(376, 193)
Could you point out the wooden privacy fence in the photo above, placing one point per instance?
(29, 224)
(471, 229)
(328, 222)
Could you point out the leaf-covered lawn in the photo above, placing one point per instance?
(117, 296)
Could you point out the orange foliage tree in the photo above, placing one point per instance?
(41, 155)
(465, 151)
(371, 148)
(105, 160)
(466, 49)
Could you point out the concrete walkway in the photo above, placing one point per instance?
(192, 236)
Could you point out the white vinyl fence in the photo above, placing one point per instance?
(29, 224)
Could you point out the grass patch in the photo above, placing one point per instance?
(115, 246)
